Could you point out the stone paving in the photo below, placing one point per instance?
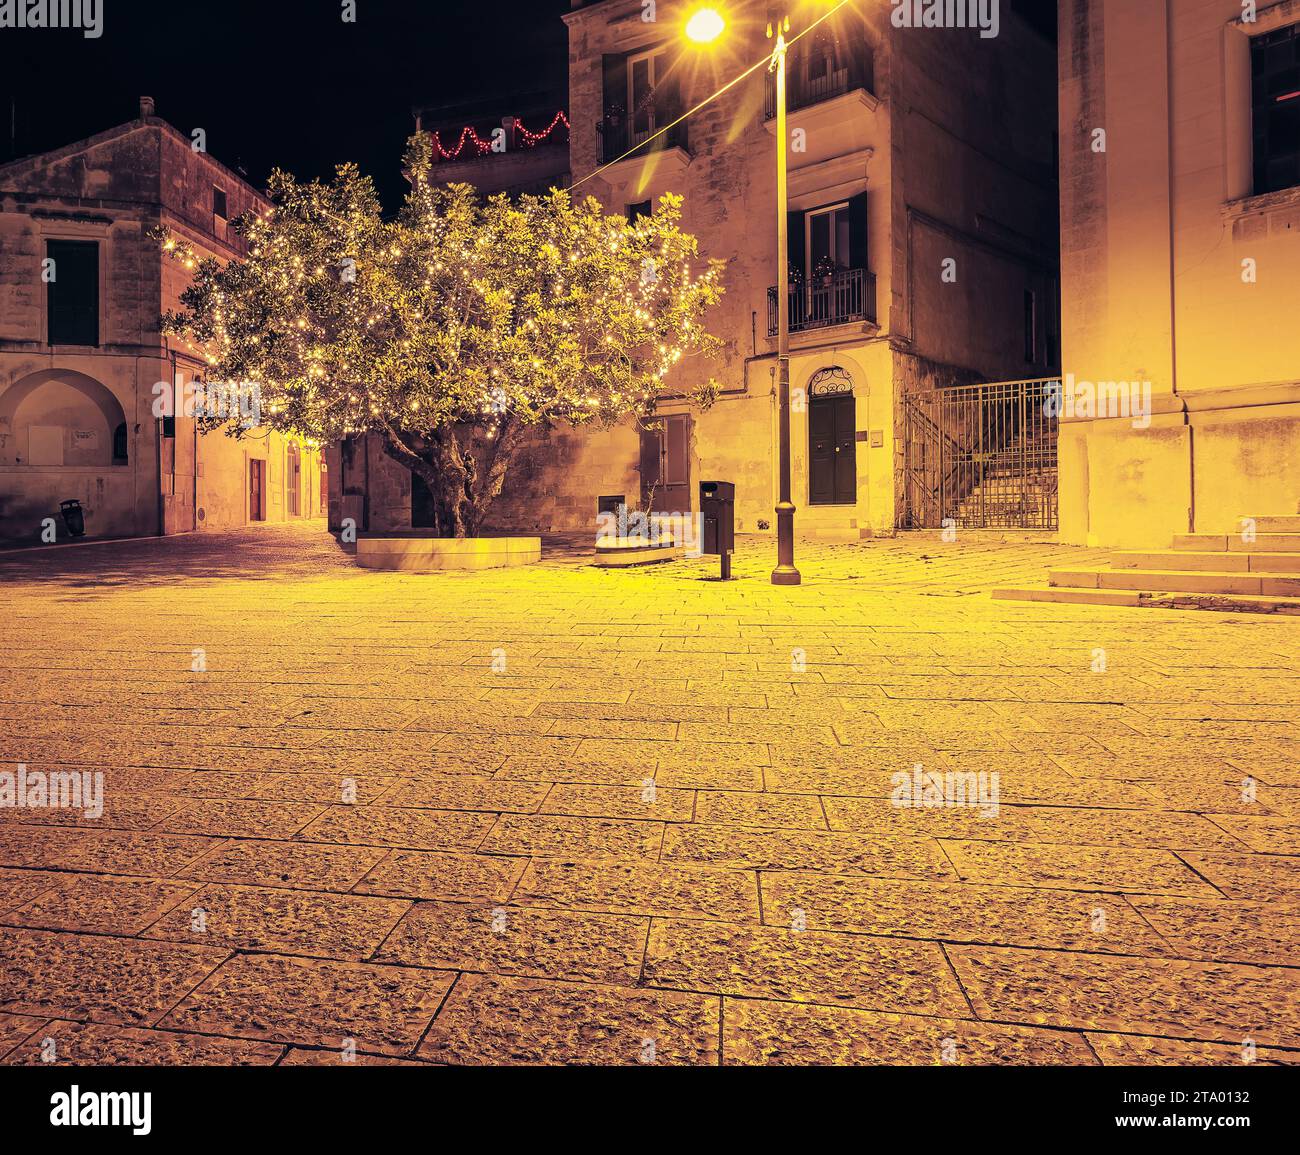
(558, 814)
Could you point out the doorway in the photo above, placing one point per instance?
(293, 478)
(666, 464)
(256, 489)
(832, 456)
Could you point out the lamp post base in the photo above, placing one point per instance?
(785, 574)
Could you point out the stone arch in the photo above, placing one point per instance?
(60, 417)
(837, 364)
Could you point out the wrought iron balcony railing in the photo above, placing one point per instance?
(837, 299)
(804, 90)
(615, 134)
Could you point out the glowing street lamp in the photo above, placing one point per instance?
(705, 26)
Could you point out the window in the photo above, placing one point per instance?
(1031, 327)
(1275, 103)
(637, 211)
(828, 241)
(645, 73)
(220, 208)
(120, 445)
(73, 300)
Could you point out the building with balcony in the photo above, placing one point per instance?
(518, 149)
(922, 247)
(1180, 174)
(82, 289)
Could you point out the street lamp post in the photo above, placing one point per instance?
(785, 573)
(704, 27)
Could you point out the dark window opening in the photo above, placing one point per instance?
(169, 426)
(120, 445)
(219, 205)
(73, 300)
(637, 211)
(1275, 105)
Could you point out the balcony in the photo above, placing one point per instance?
(805, 87)
(838, 299)
(615, 134)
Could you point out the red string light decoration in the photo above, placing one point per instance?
(469, 136)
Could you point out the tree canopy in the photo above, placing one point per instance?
(455, 326)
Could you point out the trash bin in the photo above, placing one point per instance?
(73, 517)
(718, 512)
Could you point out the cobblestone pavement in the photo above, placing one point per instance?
(559, 814)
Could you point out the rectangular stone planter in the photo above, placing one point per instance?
(430, 554)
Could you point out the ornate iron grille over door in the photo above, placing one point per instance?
(981, 457)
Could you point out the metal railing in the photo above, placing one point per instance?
(615, 134)
(981, 456)
(803, 91)
(849, 295)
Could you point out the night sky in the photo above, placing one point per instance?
(277, 82)
(286, 82)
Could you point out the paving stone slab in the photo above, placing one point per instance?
(68, 1044)
(307, 1001)
(1068, 867)
(440, 874)
(742, 848)
(302, 866)
(494, 1020)
(515, 940)
(807, 967)
(340, 926)
(639, 889)
(101, 904)
(1215, 1001)
(1145, 1051)
(1015, 916)
(398, 826)
(759, 1033)
(566, 837)
(107, 979)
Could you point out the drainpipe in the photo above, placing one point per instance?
(1173, 288)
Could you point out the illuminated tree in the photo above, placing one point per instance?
(453, 328)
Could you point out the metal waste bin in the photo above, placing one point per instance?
(73, 517)
(718, 512)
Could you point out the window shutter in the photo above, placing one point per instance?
(615, 86)
(858, 232)
(797, 241)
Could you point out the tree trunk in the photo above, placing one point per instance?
(463, 487)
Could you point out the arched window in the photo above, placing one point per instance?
(120, 445)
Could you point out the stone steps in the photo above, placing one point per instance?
(1172, 559)
(1151, 599)
(1235, 543)
(1258, 573)
(1175, 581)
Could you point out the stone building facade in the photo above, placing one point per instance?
(82, 288)
(915, 153)
(1181, 265)
(923, 218)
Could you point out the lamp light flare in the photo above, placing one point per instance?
(705, 26)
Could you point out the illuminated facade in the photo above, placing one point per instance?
(1180, 174)
(922, 246)
(82, 287)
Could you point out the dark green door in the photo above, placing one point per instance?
(833, 466)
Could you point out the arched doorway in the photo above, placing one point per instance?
(61, 418)
(832, 439)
